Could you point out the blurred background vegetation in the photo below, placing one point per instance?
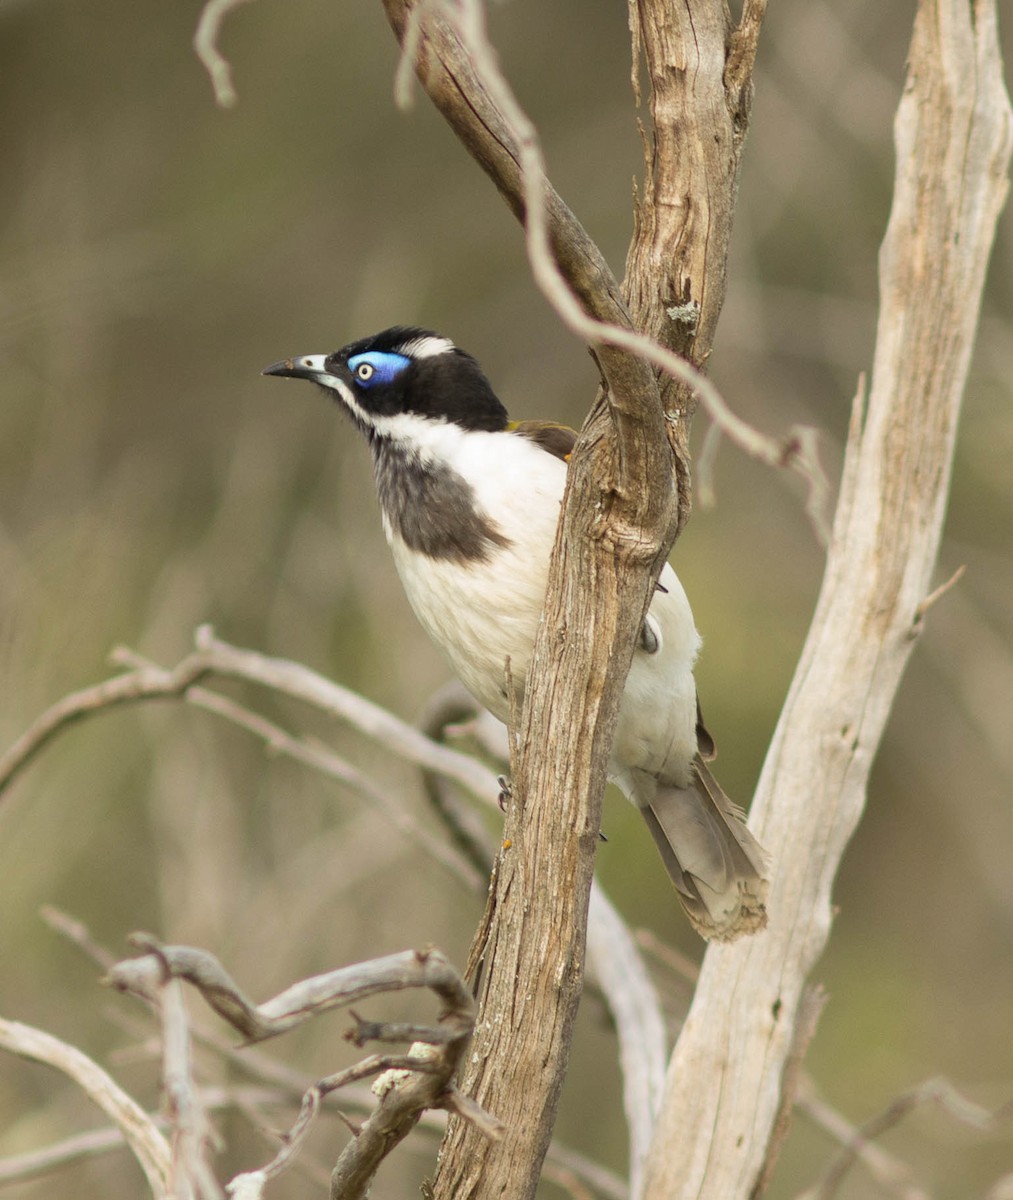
(156, 252)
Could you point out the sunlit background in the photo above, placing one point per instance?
(155, 253)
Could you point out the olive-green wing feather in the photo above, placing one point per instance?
(556, 439)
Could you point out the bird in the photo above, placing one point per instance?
(469, 502)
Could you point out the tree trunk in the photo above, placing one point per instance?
(619, 520)
(727, 1078)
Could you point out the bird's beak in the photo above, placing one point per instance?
(305, 366)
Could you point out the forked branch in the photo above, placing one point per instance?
(408, 1085)
(628, 494)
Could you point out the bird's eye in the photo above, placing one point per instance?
(376, 368)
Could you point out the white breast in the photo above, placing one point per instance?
(482, 614)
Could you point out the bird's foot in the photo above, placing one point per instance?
(505, 792)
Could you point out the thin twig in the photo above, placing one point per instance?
(77, 932)
(322, 758)
(885, 1168)
(148, 1145)
(933, 1091)
(938, 593)
(444, 710)
(251, 1182)
(214, 657)
(797, 451)
(205, 44)
(599, 1180)
(285, 1084)
(678, 963)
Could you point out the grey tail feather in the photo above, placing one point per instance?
(716, 864)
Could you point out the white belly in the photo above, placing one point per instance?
(483, 615)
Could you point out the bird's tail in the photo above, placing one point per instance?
(716, 864)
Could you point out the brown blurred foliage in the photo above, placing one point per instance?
(156, 252)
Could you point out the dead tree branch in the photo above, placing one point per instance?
(214, 657)
(624, 983)
(459, 70)
(953, 145)
(276, 1083)
(410, 1085)
(628, 493)
(615, 962)
(150, 1148)
(933, 1091)
(205, 45)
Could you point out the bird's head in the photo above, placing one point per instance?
(396, 383)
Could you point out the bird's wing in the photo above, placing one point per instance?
(704, 742)
(556, 439)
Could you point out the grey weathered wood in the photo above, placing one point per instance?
(953, 133)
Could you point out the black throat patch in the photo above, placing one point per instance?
(431, 507)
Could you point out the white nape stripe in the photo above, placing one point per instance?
(427, 347)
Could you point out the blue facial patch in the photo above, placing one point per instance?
(377, 367)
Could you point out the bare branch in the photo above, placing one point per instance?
(623, 507)
(148, 1145)
(323, 759)
(319, 993)
(953, 146)
(214, 657)
(123, 689)
(633, 1002)
(411, 1083)
(459, 69)
(934, 1091)
(887, 1170)
(192, 1133)
(205, 44)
